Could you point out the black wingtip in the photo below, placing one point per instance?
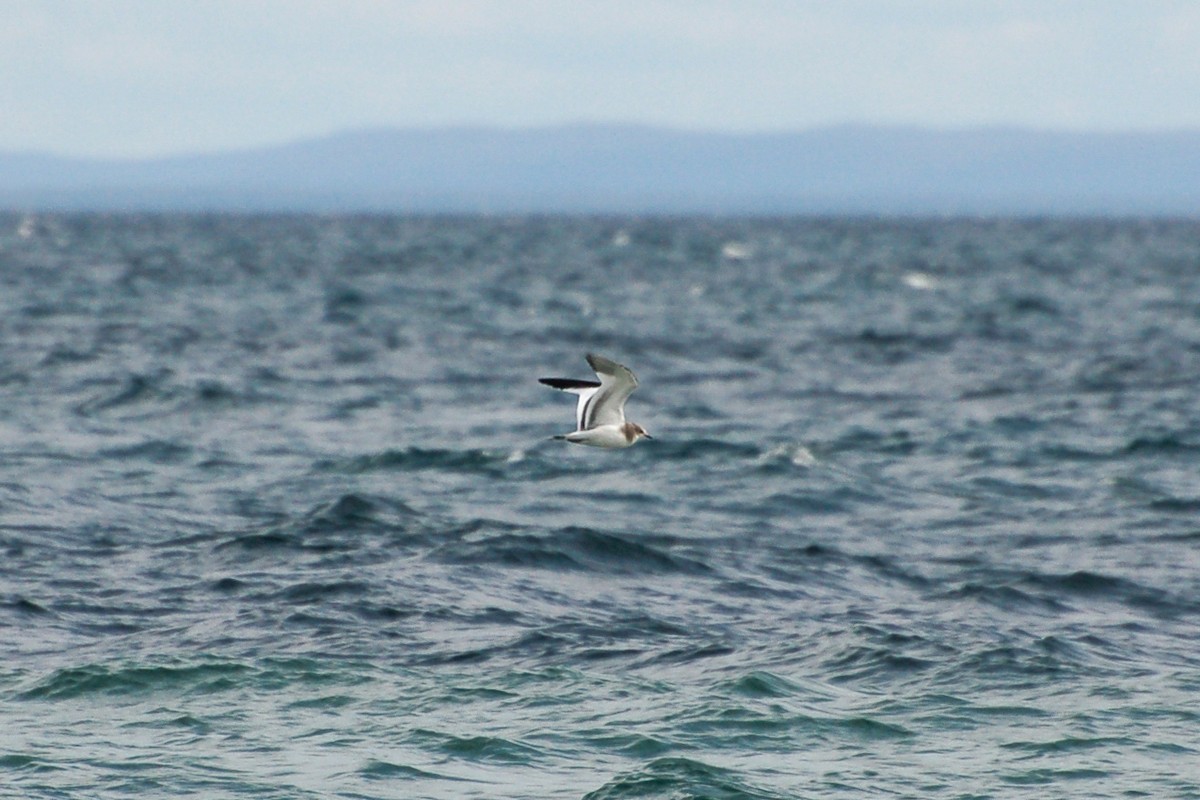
(568, 383)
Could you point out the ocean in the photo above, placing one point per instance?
(281, 517)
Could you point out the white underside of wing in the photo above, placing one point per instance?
(585, 395)
(607, 407)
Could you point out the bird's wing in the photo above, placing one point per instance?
(585, 390)
(607, 405)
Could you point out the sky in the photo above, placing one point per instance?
(143, 78)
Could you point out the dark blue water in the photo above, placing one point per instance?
(280, 518)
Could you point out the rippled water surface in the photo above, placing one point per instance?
(280, 516)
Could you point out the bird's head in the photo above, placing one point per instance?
(633, 432)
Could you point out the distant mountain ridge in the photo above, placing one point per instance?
(634, 169)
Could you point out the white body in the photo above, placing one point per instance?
(610, 436)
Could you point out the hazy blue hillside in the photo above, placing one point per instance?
(637, 169)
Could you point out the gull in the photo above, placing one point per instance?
(600, 415)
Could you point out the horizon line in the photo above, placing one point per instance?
(599, 125)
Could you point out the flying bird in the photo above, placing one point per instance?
(600, 415)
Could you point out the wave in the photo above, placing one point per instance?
(760, 684)
(868, 662)
(324, 527)
(1006, 597)
(1059, 593)
(473, 461)
(479, 748)
(568, 549)
(192, 678)
(157, 451)
(1070, 744)
(680, 777)
(700, 447)
(130, 391)
(1019, 661)
(356, 521)
(358, 511)
(23, 606)
(1094, 587)
(893, 348)
(145, 395)
(71, 683)
(307, 592)
(375, 769)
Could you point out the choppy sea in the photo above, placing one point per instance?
(280, 516)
